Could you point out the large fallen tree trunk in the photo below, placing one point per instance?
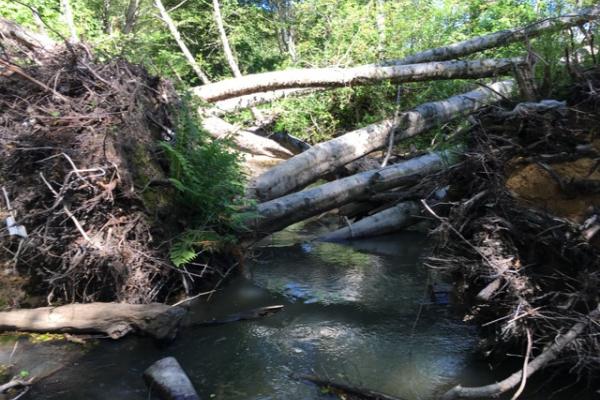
(386, 221)
(244, 140)
(361, 75)
(277, 214)
(326, 157)
(113, 319)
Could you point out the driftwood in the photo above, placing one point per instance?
(169, 380)
(386, 221)
(548, 354)
(244, 140)
(345, 389)
(323, 158)
(284, 211)
(361, 75)
(113, 319)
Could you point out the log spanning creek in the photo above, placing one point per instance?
(358, 313)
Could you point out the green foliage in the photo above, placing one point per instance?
(210, 184)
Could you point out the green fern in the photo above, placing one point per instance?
(208, 178)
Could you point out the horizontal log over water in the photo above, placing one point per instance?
(277, 214)
(307, 167)
(361, 75)
(386, 221)
(113, 319)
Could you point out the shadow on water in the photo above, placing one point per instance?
(355, 313)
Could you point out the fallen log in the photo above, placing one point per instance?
(113, 319)
(501, 38)
(276, 214)
(326, 157)
(245, 141)
(386, 221)
(361, 75)
(255, 99)
(547, 355)
(170, 380)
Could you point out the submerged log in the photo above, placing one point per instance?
(345, 389)
(361, 75)
(279, 213)
(244, 140)
(169, 380)
(113, 319)
(386, 221)
(326, 157)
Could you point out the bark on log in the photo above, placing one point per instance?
(114, 319)
(326, 157)
(361, 75)
(549, 354)
(277, 214)
(255, 99)
(170, 380)
(243, 140)
(33, 41)
(500, 38)
(386, 221)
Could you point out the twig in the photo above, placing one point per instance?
(525, 362)
(16, 69)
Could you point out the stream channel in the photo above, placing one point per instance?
(358, 313)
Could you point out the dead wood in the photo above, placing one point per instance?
(361, 75)
(113, 319)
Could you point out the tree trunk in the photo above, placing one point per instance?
(380, 22)
(224, 41)
(501, 38)
(244, 140)
(106, 23)
(362, 75)
(184, 49)
(386, 221)
(131, 16)
(68, 17)
(276, 214)
(326, 157)
(255, 99)
(113, 319)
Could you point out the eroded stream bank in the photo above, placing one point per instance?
(357, 313)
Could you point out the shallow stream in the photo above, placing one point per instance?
(357, 313)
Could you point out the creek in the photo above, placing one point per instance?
(358, 313)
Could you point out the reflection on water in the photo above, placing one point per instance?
(355, 314)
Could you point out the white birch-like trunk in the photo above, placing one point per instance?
(326, 157)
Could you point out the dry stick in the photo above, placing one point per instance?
(549, 354)
(22, 73)
(525, 362)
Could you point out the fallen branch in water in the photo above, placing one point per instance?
(549, 354)
(345, 389)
